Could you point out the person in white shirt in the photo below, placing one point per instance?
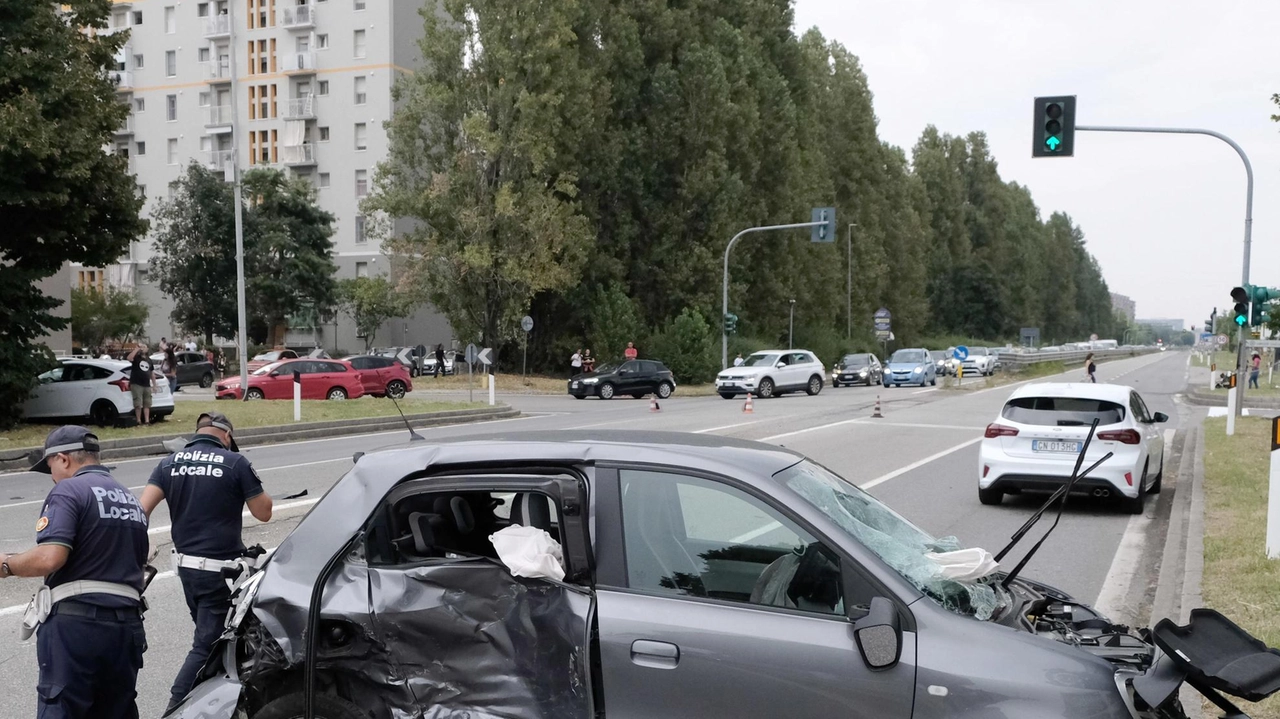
(191, 345)
(575, 362)
(737, 361)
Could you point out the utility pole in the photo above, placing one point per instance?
(243, 332)
(848, 329)
(791, 327)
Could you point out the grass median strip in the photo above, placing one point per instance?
(532, 384)
(244, 415)
(1239, 580)
(1004, 377)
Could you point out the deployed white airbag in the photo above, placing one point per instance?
(964, 565)
(529, 552)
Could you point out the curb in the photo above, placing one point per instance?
(150, 445)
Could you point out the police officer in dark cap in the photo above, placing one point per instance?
(91, 548)
(207, 484)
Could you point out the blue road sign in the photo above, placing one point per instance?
(961, 353)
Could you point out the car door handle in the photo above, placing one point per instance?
(656, 655)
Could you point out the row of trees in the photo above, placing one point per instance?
(586, 161)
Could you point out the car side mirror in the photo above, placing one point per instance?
(879, 635)
(1160, 417)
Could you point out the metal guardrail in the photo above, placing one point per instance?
(1020, 359)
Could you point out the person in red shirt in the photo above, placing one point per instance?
(1255, 366)
(631, 352)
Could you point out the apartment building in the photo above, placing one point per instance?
(313, 80)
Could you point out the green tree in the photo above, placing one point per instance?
(62, 198)
(615, 321)
(369, 302)
(686, 345)
(480, 156)
(110, 314)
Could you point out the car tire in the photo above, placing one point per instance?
(255, 393)
(605, 391)
(1155, 486)
(990, 497)
(336, 394)
(324, 706)
(103, 413)
(815, 385)
(765, 389)
(728, 395)
(1133, 505)
(579, 396)
(834, 384)
(664, 390)
(396, 389)
(206, 380)
(933, 382)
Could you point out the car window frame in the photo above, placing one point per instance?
(1139, 408)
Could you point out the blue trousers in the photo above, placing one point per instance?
(209, 600)
(89, 667)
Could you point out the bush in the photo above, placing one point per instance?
(614, 321)
(687, 346)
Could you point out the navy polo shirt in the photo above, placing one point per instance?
(206, 486)
(103, 525)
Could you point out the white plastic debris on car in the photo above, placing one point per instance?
(529, 552)
(964, 565)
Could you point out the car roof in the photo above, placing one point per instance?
(1118, 393)
(106, 364)
(775, 352)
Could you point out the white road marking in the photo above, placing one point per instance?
(812, 429)
(922, 391)
(916, 465)
(739, 424)
(757, 532)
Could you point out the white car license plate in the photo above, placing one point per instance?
(575, 385)
(1045, 445)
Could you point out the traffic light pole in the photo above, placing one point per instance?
(724, 335)
(1248, 223)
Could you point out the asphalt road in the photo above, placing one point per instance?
(921, 459)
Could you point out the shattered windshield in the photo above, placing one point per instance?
(901, 544)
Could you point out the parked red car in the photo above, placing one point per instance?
(321, 379)
(262, 360)
(382, 376)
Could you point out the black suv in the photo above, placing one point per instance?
(634, 377)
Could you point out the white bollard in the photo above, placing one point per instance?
(1273, 494)
(1231, 411)
(297, 397)
(493, 380)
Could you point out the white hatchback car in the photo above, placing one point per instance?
(1033, 444)
(769, 373)
(97, 389)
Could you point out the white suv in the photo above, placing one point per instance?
(769, 373)
(981, 361)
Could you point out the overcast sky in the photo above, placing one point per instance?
(1163, 214)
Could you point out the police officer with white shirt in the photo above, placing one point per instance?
(91, 548)
(207, 484)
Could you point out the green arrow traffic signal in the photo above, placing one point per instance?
(1053, 143)
(1055, 126)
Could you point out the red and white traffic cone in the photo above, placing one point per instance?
(653, 403)
(748, 407)
(876, 414)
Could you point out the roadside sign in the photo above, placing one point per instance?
(471, 354)
(1263, 344)
(485, 356)
(420, 351)
(526, 324)
(882, 320)
(961, 353)
(1222, 339)
(405, 355)
(1093, 338)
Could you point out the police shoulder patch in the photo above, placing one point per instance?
(41, 523)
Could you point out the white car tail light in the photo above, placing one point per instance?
(122, 383)
(1000, 430)
(1125, 436)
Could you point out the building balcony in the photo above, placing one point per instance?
(217, 26)
(218, 118)
(216, 71)
(104, 31)
(123, 80)
(300, 108)
(298, 17)
(299, 63)
(219, 160)
(298, 155)
(126, 127)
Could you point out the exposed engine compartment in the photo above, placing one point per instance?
(1045, 611)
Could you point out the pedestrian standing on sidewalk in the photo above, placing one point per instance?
(1255, 365)
(142, 381)
(170, 369)
(439, 369)
(575, 363)
(631, 351)
(588, 362)
(1091, 368)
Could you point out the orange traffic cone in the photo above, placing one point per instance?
(876, 414)
(653, 403)
(748, 408)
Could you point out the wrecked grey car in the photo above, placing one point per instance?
(703, 577)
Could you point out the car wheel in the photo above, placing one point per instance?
(606, 391)
(815, 385)
(206, 380)
(727, 395)
(834, 384)
(933, 382)
(1133, 505)
(324, 706)
(990, 497)
(579, 396)
(765, 388)
(1155, 486)
(396, 389)
(104, 413)
(664, 390)
(336, 394)
(255, 393)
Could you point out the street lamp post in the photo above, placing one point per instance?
(848, 329)
(791, 328)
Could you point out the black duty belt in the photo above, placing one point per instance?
(71, 608)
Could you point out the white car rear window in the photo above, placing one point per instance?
(1062, 411)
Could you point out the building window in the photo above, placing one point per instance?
(322, 41)
(206, 144)
(170, 20)
(173, 189)
(139, 104)
(362, 183)
(137, 61)
(170, 63)
(202, 54)
(324, 134)
(171, 107)
(323, 88)
(359, 4)
(362, 136)
(142, 147)
(360, 238)
(137, 17)
(202, 9)
(324, 179)
(358, 43)
(362, 269)
(362, 89)
(204, 99)
(171, 154)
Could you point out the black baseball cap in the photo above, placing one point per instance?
(68, 438)
(218, 420)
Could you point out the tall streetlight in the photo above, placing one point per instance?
(791, 329)
(848, 329)
(243, 332)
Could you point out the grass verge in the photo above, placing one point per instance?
(243, 415)
(533, 384)
(1239, 580)
(1004, 377)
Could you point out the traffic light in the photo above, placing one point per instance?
(825, 232)
(730, 323)
(1054, 131)
(1261, 298)
(1240, 312)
